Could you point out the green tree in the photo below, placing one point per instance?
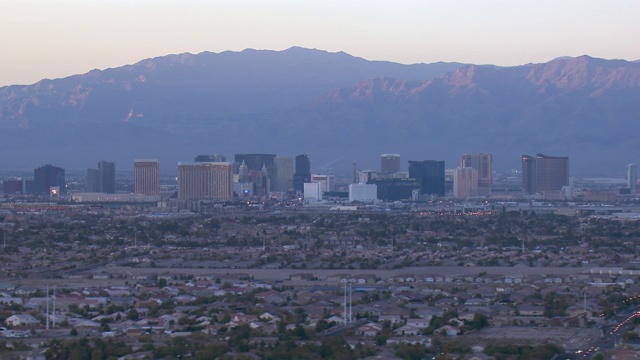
(411, 352)
(133, 315)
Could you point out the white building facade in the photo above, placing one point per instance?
(312, 192)
(363, 192)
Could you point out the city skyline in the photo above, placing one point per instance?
(334, 179)
(103, 35)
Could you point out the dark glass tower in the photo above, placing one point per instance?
(528, 174)
(47, 176)
(93, 180)
(107, 172)
(210, 158)
(302, 173)
(430, 175)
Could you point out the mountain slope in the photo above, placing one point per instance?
(582, 107)
(330, 105)
(172, 92)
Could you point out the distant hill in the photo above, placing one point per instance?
(330, 105)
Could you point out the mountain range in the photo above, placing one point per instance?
(333, 106)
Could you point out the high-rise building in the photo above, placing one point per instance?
(465, 182)
(363, 192)
(365, 176)
(93, 180)
(632, 178)
(102, 179)
(18, 186)
(390, 163)
(483, 163)
(395, 189)
(326, 182)
(312, 191)
(211, 158)
(146, 175)
(107, 177)
(528, 174)
(430, 175)
(205, 180)
(48, 176)
(261, 182)
(284, 174)
(257, 162)
(544, 173)
(302, 172)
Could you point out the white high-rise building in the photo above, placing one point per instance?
(465, 182)
(632, 178)
(363, 192)
(312, 192)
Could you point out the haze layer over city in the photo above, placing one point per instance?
(319, 180)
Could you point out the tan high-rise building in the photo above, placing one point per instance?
(146, 177)
(465, 182)
(205, 180)
(284, 174)
(483, 163)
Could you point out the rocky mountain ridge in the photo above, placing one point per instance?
(330, 105)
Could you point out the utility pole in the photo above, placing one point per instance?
(350, 303)
(345, 301)
(54, 307)
(47, 306)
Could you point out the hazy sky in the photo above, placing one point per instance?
(56, 38)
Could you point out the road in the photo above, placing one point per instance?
(284, 274)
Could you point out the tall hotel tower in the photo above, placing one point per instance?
(430, 174)
(465, 182)
(483, 163)
(632, 178)
(205, 180)
(544, 173)
(146, 177)
(390, 163)
(302, 172)
(48, 176)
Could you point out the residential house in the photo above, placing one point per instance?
(21, 320)
(369, 330)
